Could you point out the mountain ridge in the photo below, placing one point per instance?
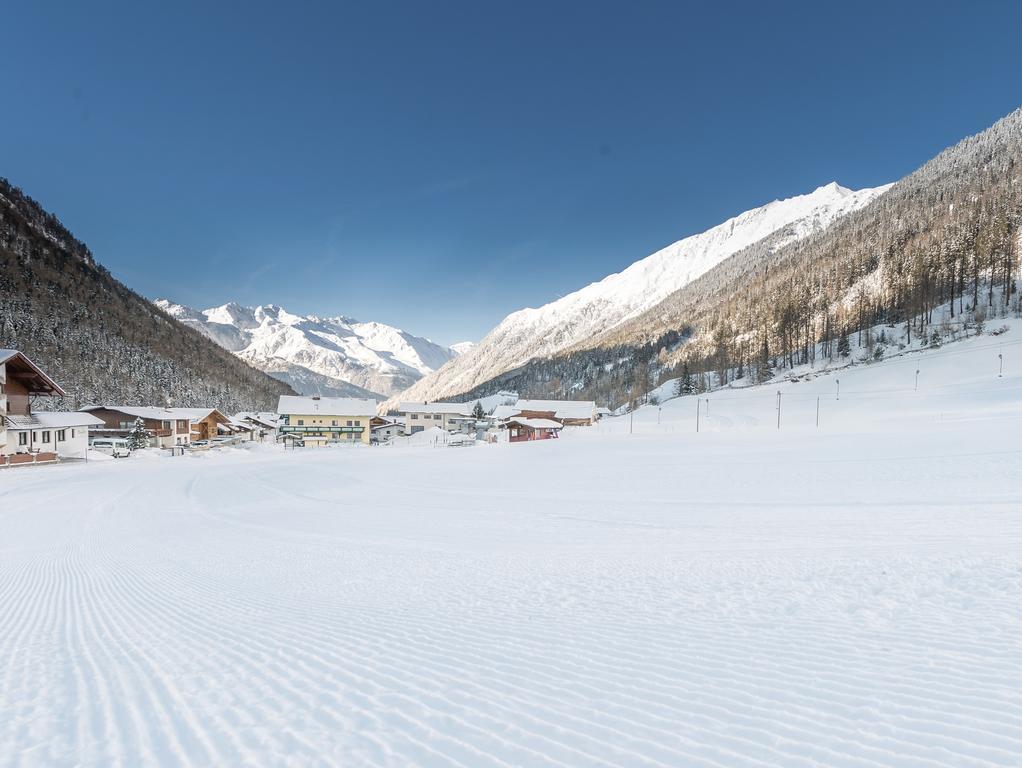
(334, 356)
(601, 305)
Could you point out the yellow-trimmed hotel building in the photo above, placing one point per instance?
(325, 420)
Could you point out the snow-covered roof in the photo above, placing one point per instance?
(562, 409)
(259, 417)
(505, 411)
(61, 419)
(328, 406)
(155, 412)
(454, 409)
(138, 411)
(53, 420)
(536, 423)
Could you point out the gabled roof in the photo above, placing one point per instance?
(452, 409)
(562, 409)
(156, 413)
(27, 372)
(327, 406)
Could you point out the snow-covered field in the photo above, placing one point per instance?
(843, 596)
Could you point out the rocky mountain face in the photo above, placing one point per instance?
(99, 340)
(329, 356)
(532, 334)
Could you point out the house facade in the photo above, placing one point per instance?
(570, 413)
(167, 426)
(521, 429)
(36, 437)
(453, 417)
(319, 421)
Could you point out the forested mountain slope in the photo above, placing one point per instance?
(98, 339)
(949, 232)
(603, 305)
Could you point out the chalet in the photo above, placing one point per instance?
(570, 413)
(384, 430)
(521, 429)
(324, 420)
(453, 417)
(203, 423)
(167, 426)
(35, 437)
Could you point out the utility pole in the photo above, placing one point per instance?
(817, 413)
(917, 380)
(707, 407)
(838, 382)
(1000, 364)
(697, 414)
(631, 420)
(778, 409)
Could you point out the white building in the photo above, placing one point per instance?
(453, 417)
(27, 436)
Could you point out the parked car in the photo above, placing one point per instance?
(112, 446)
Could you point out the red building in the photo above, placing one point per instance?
(521, 429)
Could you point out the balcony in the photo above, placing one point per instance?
(316, 429)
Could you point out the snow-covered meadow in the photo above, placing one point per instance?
(635, 594)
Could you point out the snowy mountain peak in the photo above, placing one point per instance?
(331, 356)
(600, 306)
(833, 188)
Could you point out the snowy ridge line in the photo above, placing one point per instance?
(597, 308)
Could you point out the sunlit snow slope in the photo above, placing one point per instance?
(635, 594)
(600, 306)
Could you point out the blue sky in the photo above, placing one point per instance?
(438, 165)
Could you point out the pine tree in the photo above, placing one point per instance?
(844, 347)
(685, 385)
(138, 437)
(477, 411)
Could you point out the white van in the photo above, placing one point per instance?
(114, 446)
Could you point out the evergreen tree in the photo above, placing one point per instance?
(477, 411)
(138, 437)
(844, 348)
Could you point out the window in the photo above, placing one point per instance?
(333, 423)
(301, 422)
(349, 422)
(72, 434)
(46, 435)
(61, 435)
(358, 422)
(166, 425)
(23, 438)
(415, 417)
(417, 429)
